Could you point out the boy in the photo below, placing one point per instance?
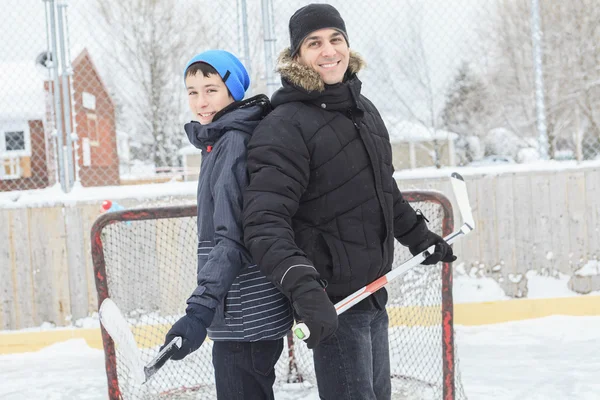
(234, 303)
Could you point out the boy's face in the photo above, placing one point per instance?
(206, 96)
(327, 52)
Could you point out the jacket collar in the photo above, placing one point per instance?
(242, 116)
(307, 78)
(301, 83)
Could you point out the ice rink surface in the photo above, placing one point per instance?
(553, 358)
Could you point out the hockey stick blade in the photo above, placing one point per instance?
(117, 327)
(115, 324)
(459, 187)
(460, 192)
(161, 358)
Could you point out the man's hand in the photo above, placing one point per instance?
(191, 328)
(443, 252)
(316, 310)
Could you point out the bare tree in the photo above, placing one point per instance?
(150, 41)
(412, 86)
(571, 56)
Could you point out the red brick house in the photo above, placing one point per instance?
(27, 148)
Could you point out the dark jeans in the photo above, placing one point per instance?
(354, 363)
(246, 370)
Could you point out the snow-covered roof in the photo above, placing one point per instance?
(189, 149)
(22, 95)
(407, 131)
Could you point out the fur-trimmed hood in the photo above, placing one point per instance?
(306, 77)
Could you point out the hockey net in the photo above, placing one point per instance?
(145, 261)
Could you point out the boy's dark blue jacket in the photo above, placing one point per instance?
(247, 305)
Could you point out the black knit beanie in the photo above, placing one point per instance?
(312, 18)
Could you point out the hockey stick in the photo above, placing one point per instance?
(460, 192)
(115, 324)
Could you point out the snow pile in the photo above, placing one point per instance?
(473, 286)
(592, 268)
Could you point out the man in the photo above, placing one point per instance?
(322, 209)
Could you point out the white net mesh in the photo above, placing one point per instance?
(146, 263)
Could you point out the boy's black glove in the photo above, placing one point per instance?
(191, 328)
(443, 252)
(311, 303)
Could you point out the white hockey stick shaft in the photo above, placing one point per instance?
(460, 191)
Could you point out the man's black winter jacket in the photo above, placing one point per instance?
(322, 202)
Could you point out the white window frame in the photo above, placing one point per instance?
(92, 133)
(15, 127)
(89, 101)
(13, 163)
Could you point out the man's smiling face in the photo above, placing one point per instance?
(327, 52)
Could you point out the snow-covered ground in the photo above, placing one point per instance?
(544, 359)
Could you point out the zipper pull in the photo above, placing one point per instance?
(353, 120)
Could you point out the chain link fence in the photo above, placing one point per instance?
(92, 90)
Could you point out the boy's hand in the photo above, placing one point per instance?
(191, 328)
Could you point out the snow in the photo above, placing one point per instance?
(403, 130)
(543, 359)
(22, 97)
(540, 286)
(469, 290)
(68, 370)
(54, 195)
(590, 269)
(471, 287)
(432, 172)
(189, 149)
(90, 322)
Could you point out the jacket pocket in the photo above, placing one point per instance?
(219, 319)
(340, 270)
(228, 315)
(232, 304)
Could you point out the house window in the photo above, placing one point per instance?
(15, 140)
(15, 147)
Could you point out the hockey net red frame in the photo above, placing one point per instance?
(409, 307)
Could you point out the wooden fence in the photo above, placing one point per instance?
(547, 221)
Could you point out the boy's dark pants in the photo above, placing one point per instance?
(354, 363)
(246, 370)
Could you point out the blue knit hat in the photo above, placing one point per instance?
(231, 70)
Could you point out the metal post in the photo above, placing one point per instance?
(240, 50)
(66, 103)
(578, 137)
(49, 126)
(57, 103)
(269, 44)
(536, 38)
(74, 136)
(246, 37)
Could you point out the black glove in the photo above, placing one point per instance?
(191, 328)
(443, 251)
(314, 308)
